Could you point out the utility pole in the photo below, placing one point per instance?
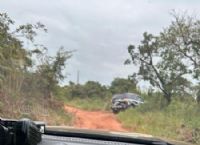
(78, 74)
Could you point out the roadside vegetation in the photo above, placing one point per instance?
(28, 76)
(178, 121)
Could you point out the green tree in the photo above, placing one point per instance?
(182, 37)
(90, 89)
(159, 65)
(51, 71)
(14, 58)
(121, 85)
(94, 89)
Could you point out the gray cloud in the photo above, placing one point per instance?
(100, 30)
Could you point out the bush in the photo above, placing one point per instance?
(178, 121)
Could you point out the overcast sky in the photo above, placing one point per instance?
(100, 30)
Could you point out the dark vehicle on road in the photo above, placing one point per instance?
(121, 102)
(27, 132)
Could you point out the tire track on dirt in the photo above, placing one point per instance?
(94, 119)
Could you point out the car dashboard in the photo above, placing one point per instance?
(57, 140)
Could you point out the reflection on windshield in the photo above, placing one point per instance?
(103, 65)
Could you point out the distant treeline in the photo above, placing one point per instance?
(92, 89)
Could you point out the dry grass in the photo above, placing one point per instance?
(52, 112)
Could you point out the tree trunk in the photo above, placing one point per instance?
(198, 97)
(167, 97)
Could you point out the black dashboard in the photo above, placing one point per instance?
(57, 140)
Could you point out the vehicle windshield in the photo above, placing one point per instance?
(111, 65)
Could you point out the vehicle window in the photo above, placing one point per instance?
(124, 66)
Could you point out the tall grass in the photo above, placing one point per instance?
(50, 112)
(179, 120)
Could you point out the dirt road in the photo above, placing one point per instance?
(95, 119)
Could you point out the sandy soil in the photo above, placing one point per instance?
(95, 119)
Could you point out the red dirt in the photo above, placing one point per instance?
(95, 119)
